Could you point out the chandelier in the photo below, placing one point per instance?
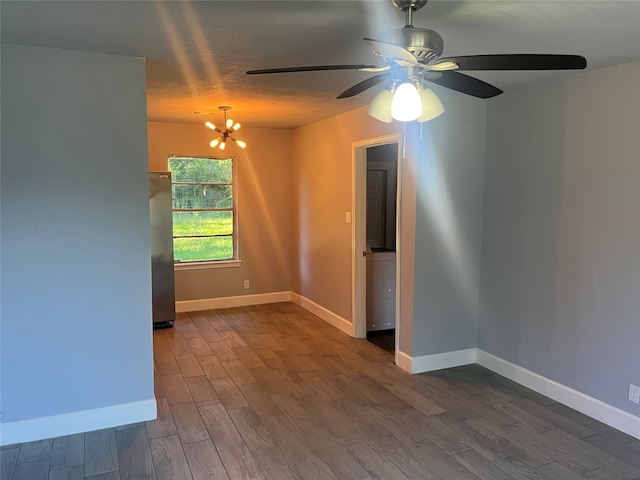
(229, 128)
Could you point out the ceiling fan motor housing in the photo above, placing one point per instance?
(426, 45)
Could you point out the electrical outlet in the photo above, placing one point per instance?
(634, 393)
(246, 284)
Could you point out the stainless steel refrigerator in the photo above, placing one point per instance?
(162, 280)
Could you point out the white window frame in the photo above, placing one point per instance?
(212, 264)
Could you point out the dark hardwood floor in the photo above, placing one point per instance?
(272, 392)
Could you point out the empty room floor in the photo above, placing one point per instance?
(273, 392)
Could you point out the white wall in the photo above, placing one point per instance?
(449, 226)
(76, 347)
(560, 283)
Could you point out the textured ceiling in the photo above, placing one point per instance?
(197, 52)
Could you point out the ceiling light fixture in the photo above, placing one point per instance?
(229, 128)
(405, 101)
(431, 105)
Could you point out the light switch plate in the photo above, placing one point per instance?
(634, 393)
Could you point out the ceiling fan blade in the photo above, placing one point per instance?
(310, 68)
(523, 61)
(465, 84)
(364, 85)
(391, 51)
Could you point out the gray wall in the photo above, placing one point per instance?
(560, 283)
(76, 298)
(448, 226)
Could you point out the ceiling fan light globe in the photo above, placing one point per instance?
(406, 104)
(431, 106)
(380, 106)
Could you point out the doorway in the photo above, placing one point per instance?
(376, 256)
(381, 196)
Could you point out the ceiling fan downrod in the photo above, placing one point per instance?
(408, 7)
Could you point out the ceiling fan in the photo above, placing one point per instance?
(411, 56)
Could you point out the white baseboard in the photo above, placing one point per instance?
(77, 422)
(438, 361)
(228, 302)
(328, 316)
(405, 362)
(592, 407)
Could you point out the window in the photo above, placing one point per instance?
(204, 213)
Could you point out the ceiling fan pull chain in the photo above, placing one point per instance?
(404, 140)
(421, 90)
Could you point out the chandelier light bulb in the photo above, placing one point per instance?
(229, 123)
(210, 125)
(236, 127)
(406, 104)
(222, 145)
(241, 144)
(214, 143)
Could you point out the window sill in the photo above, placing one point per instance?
(207, 265)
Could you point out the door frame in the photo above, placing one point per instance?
(359, 234)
